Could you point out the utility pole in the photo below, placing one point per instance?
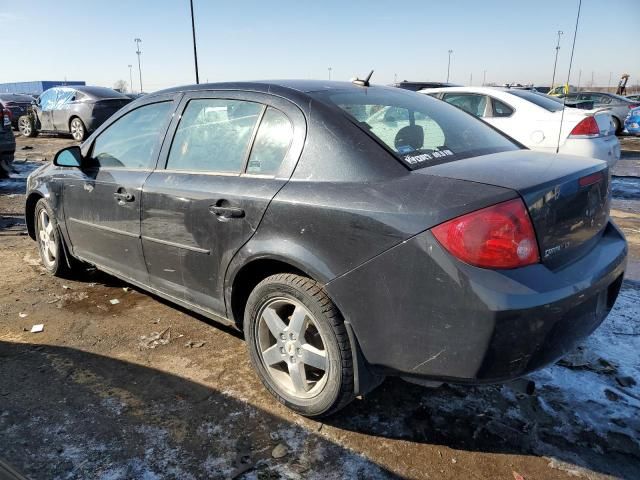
(555, 63)
(591, 78)
(329, 73)
(138, 52)
(579, 77)
(484, 78)
(195, 50)
(449, 65)
(471, 79)
(395, 78)
(609, 84)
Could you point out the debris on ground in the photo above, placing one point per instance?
(125, 289)
(37, 328)
(23, 315)
(279, 451)
(114, 301)
(626, 381)
(192, 344)
(66, 287)
(517, 476)
(155, 339)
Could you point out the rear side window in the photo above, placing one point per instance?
(418, 129)
(470, 103)
(131, 140)
(501, 109)
(214, 135)
(271, 144)
(539, 99)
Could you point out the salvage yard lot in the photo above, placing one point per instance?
(142, 389)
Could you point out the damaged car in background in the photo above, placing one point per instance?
(352, 232)
(77, 110)
(7, 144)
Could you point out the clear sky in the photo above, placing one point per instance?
(513, 40)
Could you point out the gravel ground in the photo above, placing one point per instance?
(113, 391)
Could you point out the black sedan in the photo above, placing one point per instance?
(17, 104)
(77, 110)
(350, 231)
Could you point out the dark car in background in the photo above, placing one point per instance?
(415, 86)
(17, 104)
(351, 232)
(618, 105)
(76, 110)
(7, 144)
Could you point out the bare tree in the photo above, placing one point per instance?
(121, 86)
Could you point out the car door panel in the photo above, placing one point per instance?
(193, 222)
(102, 202)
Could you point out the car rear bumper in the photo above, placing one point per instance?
(418, 312)
(602, 148)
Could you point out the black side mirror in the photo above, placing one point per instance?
(68, 157)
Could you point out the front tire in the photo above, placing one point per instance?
(299, 345)
(77, 129)
(52, 252)
(27, 126)
(616, 125)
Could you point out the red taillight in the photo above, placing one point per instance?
(590, 179)
(8, 113)
(500, 236)
(587, 126)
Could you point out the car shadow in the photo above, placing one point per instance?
(67, 413)
(492, 418)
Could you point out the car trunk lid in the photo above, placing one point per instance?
(567, 197)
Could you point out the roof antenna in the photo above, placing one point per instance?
(362, 83)
(564, 100)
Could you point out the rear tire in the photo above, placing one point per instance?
(616, 125)
(77, 129)
(27, 126)
(299, 345)
(50, 243)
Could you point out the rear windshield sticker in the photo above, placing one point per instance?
(404, 149)
(425, 157)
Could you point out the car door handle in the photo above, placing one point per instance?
(226, 212)
(123, 197)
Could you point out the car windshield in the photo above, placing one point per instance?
(419, 130)
(539, 99)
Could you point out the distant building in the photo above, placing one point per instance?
(35, 87)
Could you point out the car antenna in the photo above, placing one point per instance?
(564, 100)
(362, 83)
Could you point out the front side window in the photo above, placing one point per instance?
(130, 142)
(470, 103)
(271, 144)
(418, 129)
(214, 135)
(48, 99)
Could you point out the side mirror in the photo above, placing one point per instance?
(68, 157)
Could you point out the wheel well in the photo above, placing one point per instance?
(251, 275)
(30, 211)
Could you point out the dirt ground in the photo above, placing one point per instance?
(143, 389)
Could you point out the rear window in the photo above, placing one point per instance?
(538, 99)
(419, 130)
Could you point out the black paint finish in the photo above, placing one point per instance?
(346, 212)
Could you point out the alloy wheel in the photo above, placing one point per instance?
(292, 348)
(47, 239)
(77, 130)
(24, 125)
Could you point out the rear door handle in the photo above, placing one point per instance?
(226, 212)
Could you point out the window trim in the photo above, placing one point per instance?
(156, 149)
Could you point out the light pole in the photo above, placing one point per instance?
(579, 78)
(195, 51)
(471, 79)
(555, 63)
(130, 79)
(484, 78)
(329, 73)
(138, 52)
(609, 84)
(449, 65)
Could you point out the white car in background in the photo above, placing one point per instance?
(533, 119)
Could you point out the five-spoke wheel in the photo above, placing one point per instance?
(299, 345)
(47, 239)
